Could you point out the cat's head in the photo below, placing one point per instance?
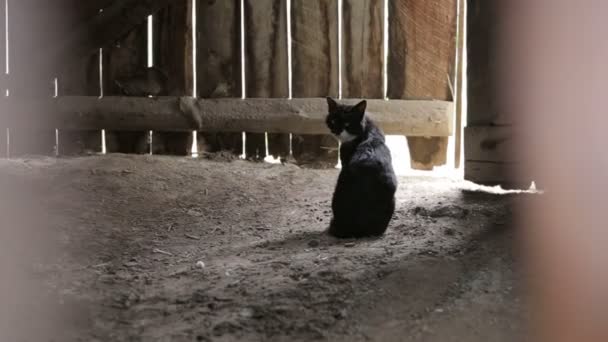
(344, 121)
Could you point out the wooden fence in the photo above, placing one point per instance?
(245, 60)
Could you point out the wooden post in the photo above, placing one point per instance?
(490, 135)
(32, 23)
(173, 55)
(315, 70)
(266, 66)
(421, 62)
(459, 84)
(219, 62)
(122, 61)
(82, 79)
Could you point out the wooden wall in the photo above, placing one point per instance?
(243, 51)
(363, 49)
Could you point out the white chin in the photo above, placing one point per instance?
(346, 137)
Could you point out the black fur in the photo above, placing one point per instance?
(364, 199)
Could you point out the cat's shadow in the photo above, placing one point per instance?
(309, 240)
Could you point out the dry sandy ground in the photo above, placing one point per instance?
(142, 248)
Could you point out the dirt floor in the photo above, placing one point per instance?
(149, 248)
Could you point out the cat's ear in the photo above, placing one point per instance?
(360, 107)
(359, 110)
(332, 104)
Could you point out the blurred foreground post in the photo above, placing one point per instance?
(553, 72)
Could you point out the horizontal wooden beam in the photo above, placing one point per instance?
(301, 116)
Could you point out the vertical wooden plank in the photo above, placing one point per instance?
(314, 28)
(422, 48)
(173, 46)
(363, 49)
(219, 62)
(266, 66)
(458, 129)
(482, 26)
(31, 22)
(173, 54)
(81, 79)
(122, 61)
(266, 48)
(427, 152)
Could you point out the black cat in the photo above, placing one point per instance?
(364, 199)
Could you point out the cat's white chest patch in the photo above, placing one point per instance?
(346, 137)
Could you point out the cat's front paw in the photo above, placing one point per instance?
(337, 231)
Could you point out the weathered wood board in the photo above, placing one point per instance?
(82, 79)
(219, 62)
(173, 55)
(459, 86)
(315, 69)
(301, 116)
(482, 26)
(422, 47)
(267, 67)
(427, 152)
(363, 49)
(422, 40)
(173, 46)
(488, 147)
(123, 60)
